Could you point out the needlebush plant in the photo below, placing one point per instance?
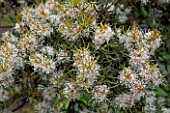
(80, 56)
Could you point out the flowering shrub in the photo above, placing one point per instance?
(62, 58)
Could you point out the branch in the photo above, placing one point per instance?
(23, 102)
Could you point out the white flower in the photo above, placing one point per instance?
(6, 35)
(141, 45)
(28, 42)
(73, 22)
(15, 62)
(42, 12)
(87, 67)
(122, 18)
(54, 79)
(124, 101)
(122, 37)
(42, 107)
(127, 77)
(73, 12)
(138, 57)
(138, 89)
(152, 41)
(131, 39)
(112, 7)
(150, 97)
(41, 63)
(145, 1)
(161, 101)
(51, 4)
(122, 6)
(100, 92)
(27, 14)
(48, 50)
(55, 19)
(70, 91)
(8, 49)
(6, 71)
(127, 10)
(44, 29)
(49, 93)
(71, 32)
(102, 34)
(151, 74)
(165, 110)
(19, 27)
(48, 66)
(149, 108)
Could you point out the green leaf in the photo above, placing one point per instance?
(60, 105)
(66, 103)
(117, 110)
(8, 19)
(85, 100)
(168, 101)
(166, 57)
(168, 68)
(166, 87)
(161, 92)
(76, 108)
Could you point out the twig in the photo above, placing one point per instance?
(23, 102)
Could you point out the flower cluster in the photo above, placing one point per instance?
(102, 34)
(87, 67)
(43, 107)
(140, 74)
(70, 91)
(76, 17)
(100, 92)
(48, 50)
(9, 59)
(72, 18)
(165, 110)
(49, 93)
(42, 64)
(149, 105)
(124, 100)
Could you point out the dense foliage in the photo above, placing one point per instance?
(86, 56)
